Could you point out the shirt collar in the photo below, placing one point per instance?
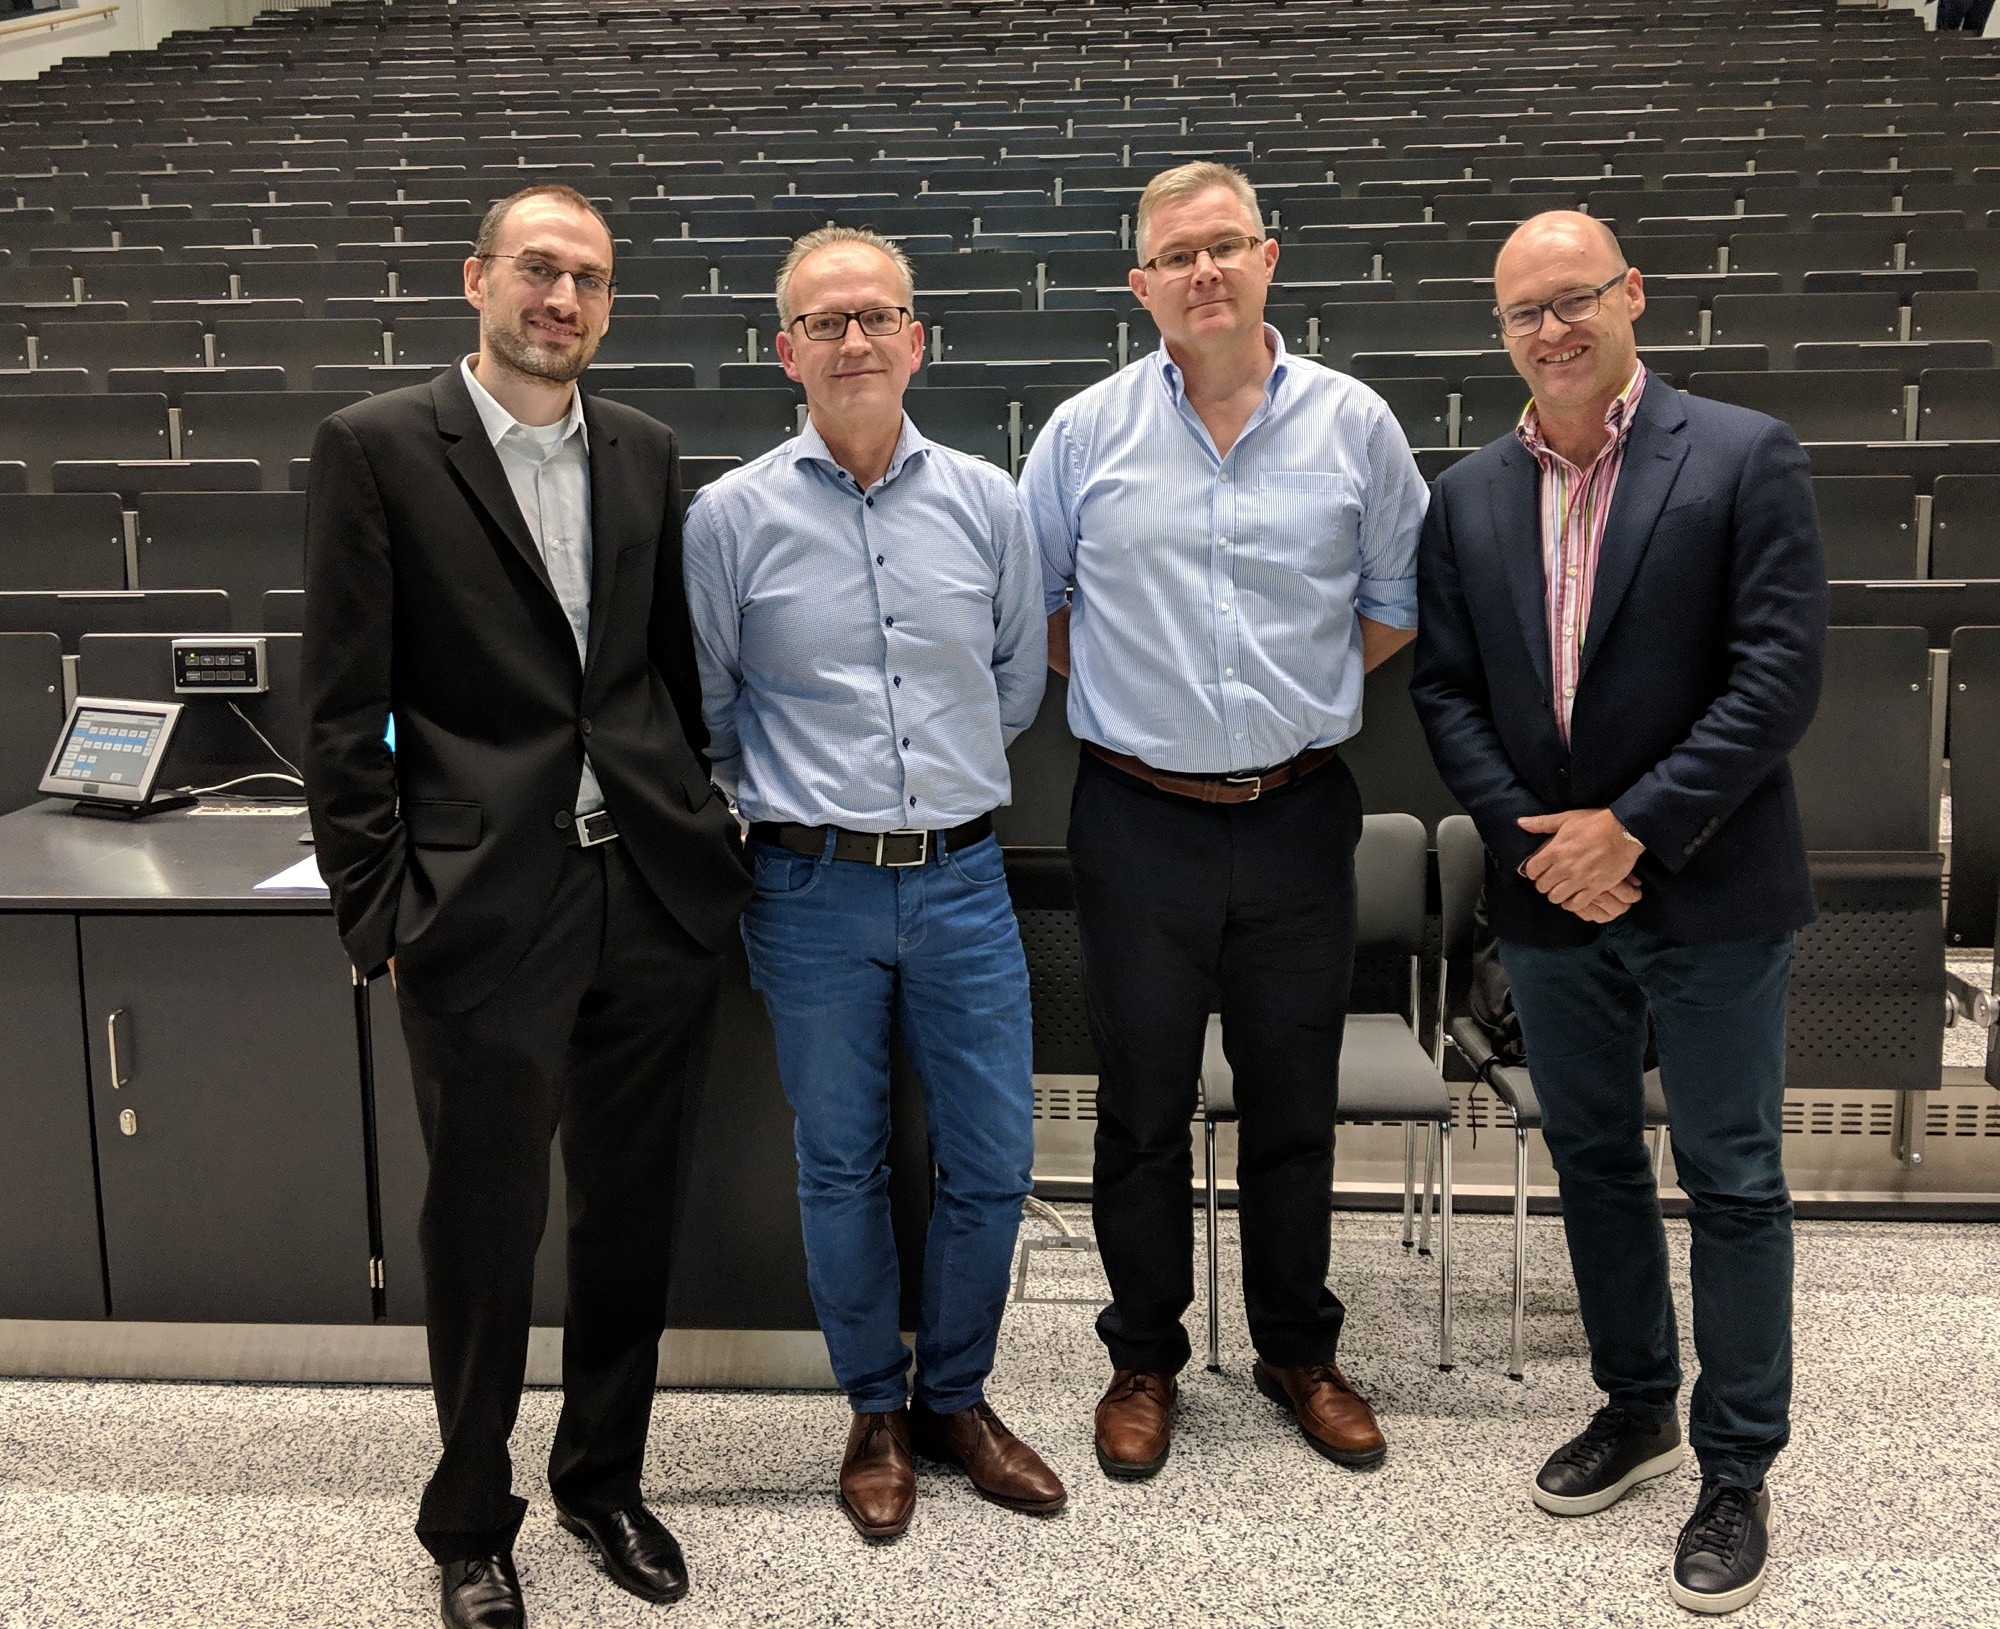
(498, 421)
(1617, 417)
(809, 447)
(1170, 370)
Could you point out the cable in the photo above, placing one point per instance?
(261, 736)
(261, 775)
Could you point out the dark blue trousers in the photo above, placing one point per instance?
(1719, 1013)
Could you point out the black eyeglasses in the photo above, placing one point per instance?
(1179, 262)
(1519, 321)
(539, 273)
(877, 322)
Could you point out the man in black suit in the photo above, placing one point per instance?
(1622, 608)
(495, 560)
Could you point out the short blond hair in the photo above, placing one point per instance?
(826, 237)
(1187, 181)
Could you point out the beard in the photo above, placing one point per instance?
(518, 349)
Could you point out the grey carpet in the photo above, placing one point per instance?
(225, 1506)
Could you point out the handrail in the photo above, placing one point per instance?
(55, 20)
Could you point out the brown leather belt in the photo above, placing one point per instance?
(1245, 788)
(888, 848)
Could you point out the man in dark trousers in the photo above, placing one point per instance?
(1622, 609)
(494, 559)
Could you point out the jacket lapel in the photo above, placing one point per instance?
(1517, 532)
(478, 465)
(1653, 457)
(615, 516)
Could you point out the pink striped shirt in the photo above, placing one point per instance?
(1575, 504)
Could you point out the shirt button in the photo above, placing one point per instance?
(906, 740)
(562, 820)
(1223, 477)
(1239, 735)
(1222, 605)
(878, 559)
(1569, 690)
(1222, 542)
(869, 501)
(1229, 673)
(897, 681)
(888, 622)
(1571, 572)
(585, 726)
(913, 803)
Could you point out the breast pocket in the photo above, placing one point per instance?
(1307, 520)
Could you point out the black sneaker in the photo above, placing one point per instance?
(1719, 1562)
(1599, 1466)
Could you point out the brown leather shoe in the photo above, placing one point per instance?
(1135, 1424)
(999, 1464)
(1335, 1418)
(878, 1482)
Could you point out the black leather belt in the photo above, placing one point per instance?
(587, 831)
(890, 848)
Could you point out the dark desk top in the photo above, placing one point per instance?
(186, 860)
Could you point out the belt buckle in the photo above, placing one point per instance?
(923, 847)
(595, 828)
(1254, 782)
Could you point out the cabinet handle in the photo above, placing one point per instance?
(111, 1026)
(128, 1122)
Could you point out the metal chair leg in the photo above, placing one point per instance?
(1659, 1151)
(1214, 1222)
(1430, 1178)
(1409, 1185)
(1515, 1367)
(1444, 1247)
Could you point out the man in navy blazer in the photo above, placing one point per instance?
(1622, 609)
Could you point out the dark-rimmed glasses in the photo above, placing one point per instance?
(538, 273)
(1179, 262)
(877, 322)
(1519, 321)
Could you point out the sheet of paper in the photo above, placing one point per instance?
(301, 878)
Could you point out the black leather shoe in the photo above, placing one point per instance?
(482, 1593)
(1719, 1562)
(1604, 1462)
(636, 1549)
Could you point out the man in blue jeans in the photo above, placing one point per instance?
(1622, 609)
(867, 619)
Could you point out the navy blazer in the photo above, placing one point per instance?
(1700, 669)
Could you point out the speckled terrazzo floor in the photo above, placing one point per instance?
(157, 1505)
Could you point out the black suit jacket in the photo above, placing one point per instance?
(427, 598)
(1700, 669)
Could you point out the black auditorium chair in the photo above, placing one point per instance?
(1959, 404)
(1294, 322)
(1975, 785)
(1821, 404)
(1868, 524)
(667, 276)
(31, 713)
(1972, 314)
(1489, 405)
(994, 273)
(1041, 764)
(70, 616)
(1038, 402)
(1022, 336)
(1421, 406)
(967, 418)
(218, 739)
(316, 281)
(140, 286)
(274, 428)
(1407, 264)
(1965, 526)
(1388, 757)
(705, 342)
(1793, 254)
(1782, 321)
(1874, 709)
(61, 540)
(1412, 326)
(245, 543)
(1938, 605)
(39, 430)
(101, 346)
(743, 424)
(297, 346)
(435, 342)
(1977, 251)
(284, 610)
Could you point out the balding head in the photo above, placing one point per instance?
(1576, 364)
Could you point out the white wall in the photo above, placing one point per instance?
(139, 25)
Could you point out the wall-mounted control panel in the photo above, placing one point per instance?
(232, 666)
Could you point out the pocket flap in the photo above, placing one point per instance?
(436, 824)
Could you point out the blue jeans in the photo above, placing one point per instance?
(1719, 1014)
(838, 949)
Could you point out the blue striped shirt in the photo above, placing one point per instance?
(1212, 627)
(865, 656)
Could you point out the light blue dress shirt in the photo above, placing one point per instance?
(1212, 628)
(865, 656)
